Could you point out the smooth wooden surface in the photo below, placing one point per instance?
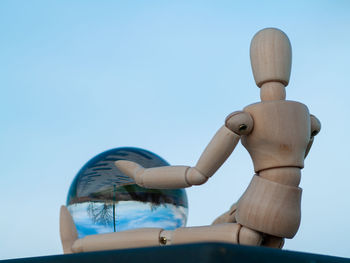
(219, 233)
(309, 146)
(160, 177)
(280, 136)
(217, 151)
(68, 231)
(165, 177)
(272, 91)
(283, 175)
(271, 56)
(249, 237)
(142, 237)
(315, 129)
(171, 177)
(240, 122)
(195, 177)
(270, 208)
(228, 217)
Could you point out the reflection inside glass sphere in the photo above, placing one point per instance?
(102, 199)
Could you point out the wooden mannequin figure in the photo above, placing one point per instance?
(278, 135)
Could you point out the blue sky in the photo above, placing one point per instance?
(129, 215)
(81, 77)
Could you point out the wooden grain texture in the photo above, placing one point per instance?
(171, 177)
(271, 56)
(229, 233)
(218, 150)
(249, 237)
(283, 175)
(272, 91)
(227, 217)
(142, 237)
(280, 136)
(240, 122)
(270, 208)
(217, 233)
(68, 231)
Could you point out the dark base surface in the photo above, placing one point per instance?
(198, 253)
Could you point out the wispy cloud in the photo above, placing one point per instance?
(129, 215)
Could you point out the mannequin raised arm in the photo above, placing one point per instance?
(215, 154)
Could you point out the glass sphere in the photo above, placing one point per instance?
(102, 199)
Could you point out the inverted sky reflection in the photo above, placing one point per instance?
(129, 215)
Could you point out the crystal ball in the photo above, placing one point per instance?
(101, 199)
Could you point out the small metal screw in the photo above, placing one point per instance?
(163, 240)
(242, 127)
